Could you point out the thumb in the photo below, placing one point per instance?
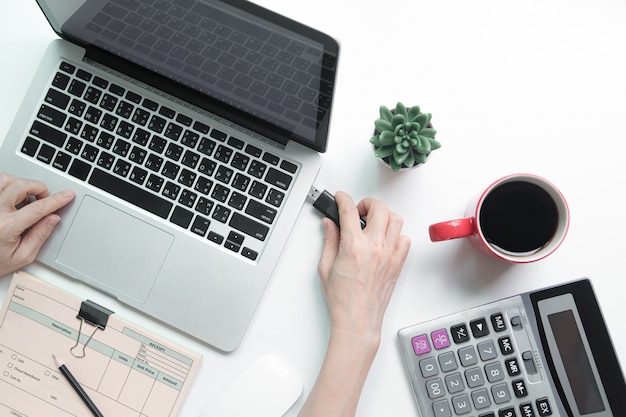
(330, 248)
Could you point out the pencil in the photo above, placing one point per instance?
(79, 390)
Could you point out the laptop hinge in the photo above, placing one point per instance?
(187, 94)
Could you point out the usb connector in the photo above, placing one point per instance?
(325, 203)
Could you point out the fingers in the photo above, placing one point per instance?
(377, 214)
(27, 202)
(348, 213)
(15, 191)
(27, 219)
(32, 213)
(34, 239)
(5, 179)
(380, 221)
(330, 248)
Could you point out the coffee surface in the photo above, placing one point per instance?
(518, 217)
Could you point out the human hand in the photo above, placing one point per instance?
(26, 219)
(359, 268)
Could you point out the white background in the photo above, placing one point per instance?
(535, 86)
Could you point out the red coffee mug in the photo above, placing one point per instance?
(519, 218)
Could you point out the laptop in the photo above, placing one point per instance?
(190, 131)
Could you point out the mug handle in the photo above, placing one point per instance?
(452, 229)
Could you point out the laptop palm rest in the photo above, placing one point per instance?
(126, 263)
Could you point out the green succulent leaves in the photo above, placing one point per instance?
(403, 137)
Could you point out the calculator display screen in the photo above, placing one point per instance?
(576, 362)
(569, 348)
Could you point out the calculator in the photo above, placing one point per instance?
(541, 353)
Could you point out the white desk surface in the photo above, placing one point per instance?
(513, 86)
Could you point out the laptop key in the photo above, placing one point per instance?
(200, 225)
(130, 193)
(218, 134)
(261, 211)
(138, 175)
(89, 153)
(57, 98)
(77, 87)
(48, 134)
(215, 238)
(61, 80)
(79, 169)
(275, 197)
(249, 253)
(221, 213)
(61, 161)
(51, 115)
(154, 183)
(116, 89)
(77, 107)
(278, 178)
(30, 146)
(171, 190)
(257, 169)
(92, 95)
(69, 68)
(46, 153)
(271, 158)
(248, 226)
(234, 241)
(181, 217)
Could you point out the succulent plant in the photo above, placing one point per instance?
(403, 137)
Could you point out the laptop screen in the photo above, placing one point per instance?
(261, 66)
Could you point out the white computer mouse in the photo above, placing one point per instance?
(267, 388)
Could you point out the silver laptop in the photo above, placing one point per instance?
(191, 132)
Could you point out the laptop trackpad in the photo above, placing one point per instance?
(117, 251)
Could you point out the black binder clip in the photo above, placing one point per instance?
(95, 315)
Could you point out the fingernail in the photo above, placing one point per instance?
(53, 221)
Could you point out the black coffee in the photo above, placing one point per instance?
(519, 217)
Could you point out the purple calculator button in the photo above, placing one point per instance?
(440, 339)
(420, 344)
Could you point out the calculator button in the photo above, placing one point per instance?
(461, 404)
(543, 407)
(480, 398)
(527, 410)
(512, 367)
(467, 355)
(435, 388)
(420, 344)
(447, 362)
(459, 333)
(442, 408)
(506, 347)
(498, 323)
(454, 383)
(507, 412)
(474, 378)
(479, 328)
(500, 393)
(494, 372)
(519, 388)
(440, 339)
(487, 350)
(491, 414)
(428, 367)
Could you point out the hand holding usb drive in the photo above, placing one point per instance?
(325, 203)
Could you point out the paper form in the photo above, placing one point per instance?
(126, 370)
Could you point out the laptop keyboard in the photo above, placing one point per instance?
(196, 176)
(280, 75)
